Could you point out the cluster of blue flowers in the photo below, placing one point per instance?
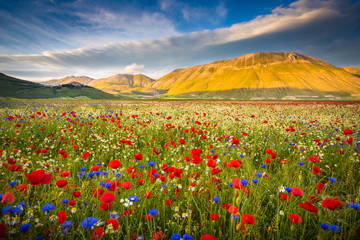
(177, 236)
(333, 227)
(89, 222)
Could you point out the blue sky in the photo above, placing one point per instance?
(45, 39)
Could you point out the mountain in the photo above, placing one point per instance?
(261, 76)
(17, 88)
(117, 84)
(82, 79)
(352, 70)
(121, 83)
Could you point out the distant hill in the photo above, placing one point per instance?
(352, 70)
(261, 76)
(82, 79)
(17, 88)
(117, 84)
(121, 83)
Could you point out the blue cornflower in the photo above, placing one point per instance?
(65, 201)
(13, 183)
(91, 174)
(255, 181)
(17, 209)
(103, 184)
(82, 169)
(151, 163)
(332, 179)
(133, 199)
(24, 227)
(97, 173)
(288, 189)
(187, 237)
(335, 228)
(7, 210)
(141, 166)
(156, 175)
(89, 222)
(301, 163)
(324, 226)
(244, 182)
(66, 224)
(118, 175)
(48, 207)
(38, 238)
(263, 166)
(231, 184)
(1, 196)
(258, 174)
(234, 217)
(216, 199)
(107, 185)
(153, 212)
(176, 236)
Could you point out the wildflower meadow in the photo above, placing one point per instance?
(179, 170)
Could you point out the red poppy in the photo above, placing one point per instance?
(296, 191)
(235, 164)
(285, 197)
(234, 210)
(98, 233)
(22, 188)
(310, 207)
(168, 202)
(320, 187)
(214, 217)
(3, 230)
(8, 198)
(106, 206)
(314, 159)
(138, 156)
(182, 141)
(295, 219)
(159, 235)
(107, 197)
(76, 194)
(71, 203)
(62, 217)
(98, 193)
(65, 174)
(38, 177)
(11, 161)
(331, 204)
(196, 159)
(269, 150)
(148, 194)
(114, 164)
(208, 237)
(316, 170)
(348, 132)
(211, 163)
(94, 168)
(61, 183)
(85, 155)
(114, 222)
(248, 219)
(215, 171)
(127, 185)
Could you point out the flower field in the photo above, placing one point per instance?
(179, 170)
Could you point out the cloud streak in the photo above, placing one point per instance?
(323, 29)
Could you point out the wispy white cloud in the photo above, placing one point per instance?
(133, 68)
(323, 29)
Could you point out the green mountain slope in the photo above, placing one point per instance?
(17, 88)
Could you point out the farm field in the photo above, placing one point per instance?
(179, 170)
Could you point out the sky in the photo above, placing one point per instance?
(48, 39)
